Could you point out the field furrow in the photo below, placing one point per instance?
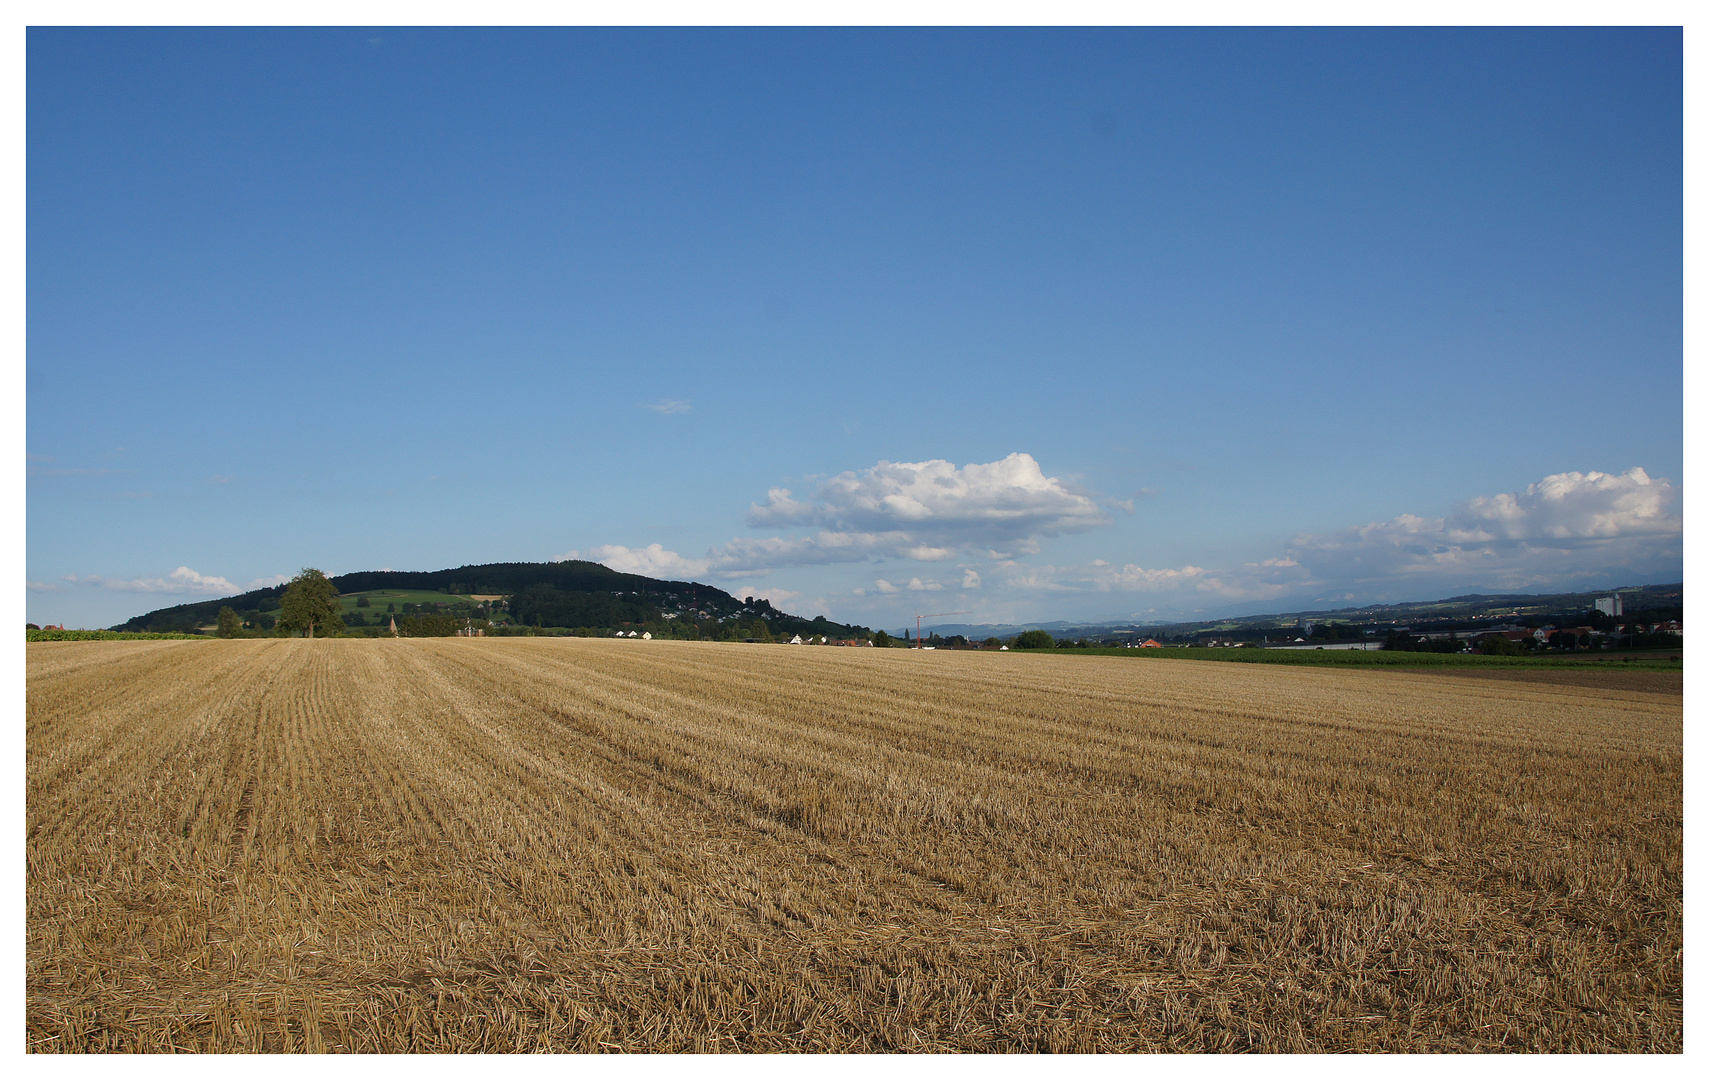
(577, 845)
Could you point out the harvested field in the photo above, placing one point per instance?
(575, 845)
(1595, 677)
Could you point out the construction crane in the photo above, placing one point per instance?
(939, 615)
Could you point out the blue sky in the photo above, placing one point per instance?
(1039, 324)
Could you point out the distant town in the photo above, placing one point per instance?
(1637, 617)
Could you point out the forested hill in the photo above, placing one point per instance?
(573, 593)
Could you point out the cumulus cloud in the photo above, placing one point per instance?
(654, 560)
(181, 580)
(941, 506)
(780, 598)
(929, 511)
(1573, 507)
(1565, 525)
(1564, 528)
(742, 557)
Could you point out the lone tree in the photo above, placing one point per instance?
(1034, 639)
(310, 600)
(229, 626)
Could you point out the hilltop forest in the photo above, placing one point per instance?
(555, 597)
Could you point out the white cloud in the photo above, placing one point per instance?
(182, 580)
(1102, 576)
(1573, 506)
(1134, 578)
(669, 406)
(922, 553)
(925, 511)
(651, 561)
(1562, 531)
(1565, 528)
(1565, 525)
(745, 554)
(928, 511)
(940, 505)
(1035, 577)
(778, 598)
(41, 586)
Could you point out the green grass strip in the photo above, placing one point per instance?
(106, 635)
(1376, 658)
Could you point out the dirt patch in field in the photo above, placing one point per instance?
(1610, 678)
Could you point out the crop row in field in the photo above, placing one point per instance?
(586, 845)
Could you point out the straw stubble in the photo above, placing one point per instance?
(574, 845)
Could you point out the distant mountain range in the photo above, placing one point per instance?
(1469, 607)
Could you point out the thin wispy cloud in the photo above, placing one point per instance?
(182, 580)
(669, 406)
